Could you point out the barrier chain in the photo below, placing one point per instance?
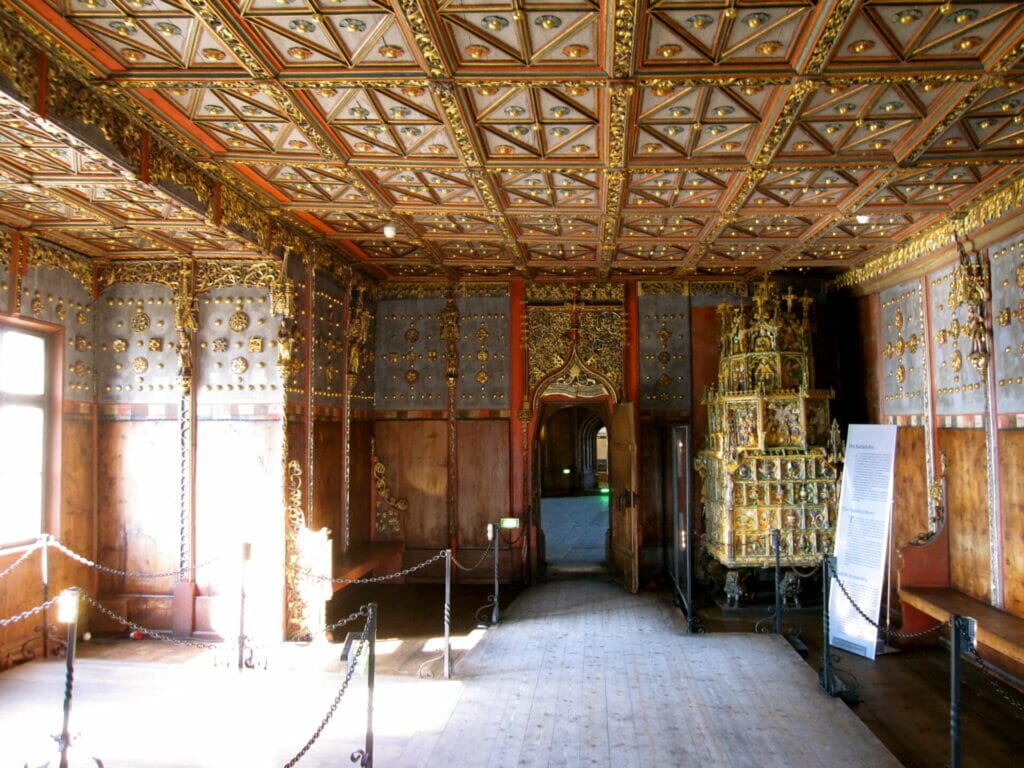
(377, 579)
(129, 574)
(1017, 705)
(30, 612)
(20, 560)
(829, 571)
(347, 620)
(1004, 694)
(478, 563)
(337, 699)
(145, 630)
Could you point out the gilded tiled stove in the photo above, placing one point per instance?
(771, 456)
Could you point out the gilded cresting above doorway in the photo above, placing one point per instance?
(578, 333)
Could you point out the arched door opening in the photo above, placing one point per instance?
(572, 463)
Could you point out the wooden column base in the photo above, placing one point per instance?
(183, 610)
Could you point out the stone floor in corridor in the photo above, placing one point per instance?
(577, 673)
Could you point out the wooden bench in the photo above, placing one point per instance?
(996, 630)
(374, 558)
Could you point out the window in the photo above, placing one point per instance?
(25, 391)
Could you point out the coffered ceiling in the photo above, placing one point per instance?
(586, 139)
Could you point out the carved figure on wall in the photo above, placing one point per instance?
(184, 360)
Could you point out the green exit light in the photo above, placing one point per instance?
(509, 523)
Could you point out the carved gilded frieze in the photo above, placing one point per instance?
(158, 272)
(594, 336)
(19, 63)
(411, 290)
(241, 212)
(606, 293)
(1007, 197)
(79, 267)
(211, 274)
(715, 288)
(72, 99)
(165, 164)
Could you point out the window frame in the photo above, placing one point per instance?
(52, 404)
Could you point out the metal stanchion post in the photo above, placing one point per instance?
(833, 685)
(44, 565)
(826, 656)
(246, 552)
(778, 581)
(447, 614)
(67, 612)
(371, 635)
(963, 633)
(496, 610)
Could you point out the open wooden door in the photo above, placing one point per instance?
(622, 481)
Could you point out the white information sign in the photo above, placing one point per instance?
(862, 536)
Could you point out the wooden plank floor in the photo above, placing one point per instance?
(577, 674)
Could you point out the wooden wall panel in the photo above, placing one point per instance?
(910, 487)
(328, 476)
(360, 471)
(138, 476)
(240, 498)
(868, 347)
(1011, 470)
(22, 590)
(483, 478)
(967, 494)
(705, 348)
(416, 456)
